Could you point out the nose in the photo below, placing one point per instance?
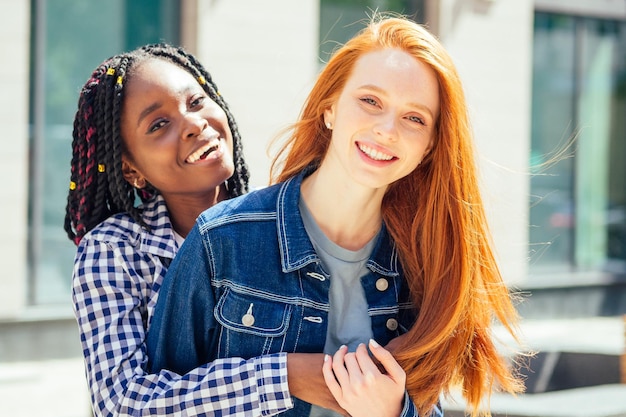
(386, 127)
(194, 125)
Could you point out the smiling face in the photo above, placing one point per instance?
(176, 137)
(383, 121)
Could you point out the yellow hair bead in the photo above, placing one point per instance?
(100, 167)
(119, 80)
(201, 80)
(72, 185)
(111, 71)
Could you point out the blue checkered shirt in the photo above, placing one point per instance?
(118, 271)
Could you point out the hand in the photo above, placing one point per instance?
(360, 387)
(306, 381)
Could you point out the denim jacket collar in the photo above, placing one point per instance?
(295, 247)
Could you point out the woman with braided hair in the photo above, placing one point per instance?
(151, 128)
(103, 179)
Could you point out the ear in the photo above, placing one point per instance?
(329, 117)
(132, 175)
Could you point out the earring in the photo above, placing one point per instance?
(329, 125)
(136, 185)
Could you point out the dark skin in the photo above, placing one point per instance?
(176, 139)
(311, 388)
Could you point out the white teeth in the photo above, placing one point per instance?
(374, 154)
(197, 154)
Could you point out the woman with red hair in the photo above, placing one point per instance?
(374, 229)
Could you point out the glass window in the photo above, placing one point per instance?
(342, 19)
(70, 38)
(578, 204)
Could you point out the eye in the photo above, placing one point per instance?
(416, 119)
(157, 125)
(197, 101)
(369, 100)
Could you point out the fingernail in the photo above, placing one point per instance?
(326, 358)
(373, 343)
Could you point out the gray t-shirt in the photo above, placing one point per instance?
(348, 320)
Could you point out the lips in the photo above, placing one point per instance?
(203, 152)
(374, 153)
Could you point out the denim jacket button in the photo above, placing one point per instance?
(392, 324)
(247, 320)
(382, 284)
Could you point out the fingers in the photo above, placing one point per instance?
(367, 365)
(352, 367)
(330, 378)
(357, 384)
(393, 368)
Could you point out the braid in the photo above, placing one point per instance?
(85, 187)
(98, 188)
(121, 192)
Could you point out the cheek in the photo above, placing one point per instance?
(417, 151)
(155, 159)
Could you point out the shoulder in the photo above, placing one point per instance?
(118, 228)
(119, 244)
(123, 230)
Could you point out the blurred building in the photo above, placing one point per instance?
(537, 74)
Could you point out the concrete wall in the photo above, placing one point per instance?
(14, 38)
(263, 57)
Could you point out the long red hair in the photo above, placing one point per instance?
(436, 218)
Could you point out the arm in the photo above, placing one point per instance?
(110, 297)
(306, 381)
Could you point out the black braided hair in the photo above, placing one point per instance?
(97, 185)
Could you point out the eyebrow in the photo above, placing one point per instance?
(155, 106)
(147, 111)
(420, 106)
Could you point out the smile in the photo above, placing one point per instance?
(374, 154)
(203, 152)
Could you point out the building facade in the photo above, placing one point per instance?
(545, 82)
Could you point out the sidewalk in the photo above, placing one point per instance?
(57, 388)
(52, 388)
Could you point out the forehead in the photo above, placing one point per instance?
(390, 60)
(158, 72)
(399, 73)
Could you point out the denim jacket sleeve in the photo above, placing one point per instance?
(182, 334)
(409, 409)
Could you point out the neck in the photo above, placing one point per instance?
(185, 209)
(348, 214)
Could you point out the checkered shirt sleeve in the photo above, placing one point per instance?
(115, 286)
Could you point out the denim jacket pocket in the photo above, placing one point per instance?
(251, 325)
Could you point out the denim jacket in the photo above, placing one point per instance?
(247, 282)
